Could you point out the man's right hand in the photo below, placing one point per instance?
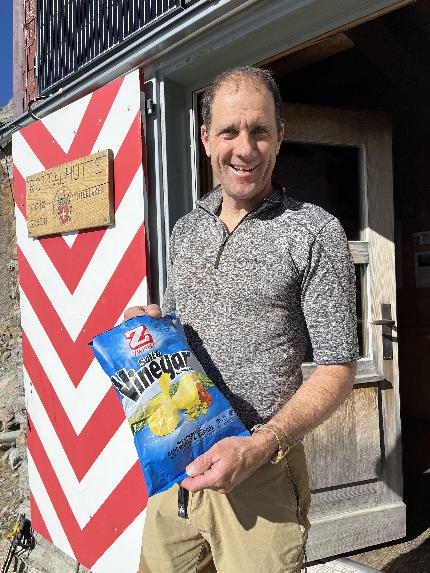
(152, 310)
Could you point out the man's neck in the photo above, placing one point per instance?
(232, 212)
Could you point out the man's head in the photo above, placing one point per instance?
(242, 131)
(255, 76)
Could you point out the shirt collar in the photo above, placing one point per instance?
(211, 202)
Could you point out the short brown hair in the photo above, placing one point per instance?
(256, 75)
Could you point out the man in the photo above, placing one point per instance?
(251, 272)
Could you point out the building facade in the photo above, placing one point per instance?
(129, 76)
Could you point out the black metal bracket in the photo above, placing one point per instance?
(150, 107)
(387, 324)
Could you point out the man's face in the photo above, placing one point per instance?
(243, 140)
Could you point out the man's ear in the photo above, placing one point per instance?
(281, 134)
(205, 139)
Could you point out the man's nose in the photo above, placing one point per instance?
(245, 144)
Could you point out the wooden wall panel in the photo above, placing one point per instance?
(346, 448)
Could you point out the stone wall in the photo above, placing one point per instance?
(14, 491)
(12, 404)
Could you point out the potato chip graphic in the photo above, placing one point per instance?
(187, 395)
(164, 420)
(163, 414)
(165, 385)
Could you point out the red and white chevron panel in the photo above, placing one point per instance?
(87, 490)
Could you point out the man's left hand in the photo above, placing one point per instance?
(229, 462)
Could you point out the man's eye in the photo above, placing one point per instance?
(229, 133)
(260, 132)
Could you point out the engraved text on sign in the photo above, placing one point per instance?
(73, 196)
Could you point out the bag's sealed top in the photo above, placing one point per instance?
(175, 412)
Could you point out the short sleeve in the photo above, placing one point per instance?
(328, 297)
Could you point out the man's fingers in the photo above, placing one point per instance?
(152, 310)
(199, 465)
(132, 311)
(197, 483)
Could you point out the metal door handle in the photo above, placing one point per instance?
(387, 324)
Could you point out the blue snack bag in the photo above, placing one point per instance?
(175, 412)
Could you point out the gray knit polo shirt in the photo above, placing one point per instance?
(246, 298)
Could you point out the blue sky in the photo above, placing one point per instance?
(5, 51)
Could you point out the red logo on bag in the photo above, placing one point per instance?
(139, 339)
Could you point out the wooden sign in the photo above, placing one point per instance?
(73, 196)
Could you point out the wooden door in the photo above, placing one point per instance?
(342, 160)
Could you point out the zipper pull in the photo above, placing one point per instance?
(182, 502)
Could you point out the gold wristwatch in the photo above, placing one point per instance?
(283, 444)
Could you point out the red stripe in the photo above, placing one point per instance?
(82, 449)
(77, 356)
(50, 153)
(119, 510)
(19, 191)
(37, 521)
(71, 263)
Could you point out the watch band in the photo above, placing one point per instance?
(283, 444)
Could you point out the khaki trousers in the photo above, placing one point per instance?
(260, 527)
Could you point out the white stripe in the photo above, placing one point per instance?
(124, 554)
(70, 238)
(24, 159)
(117, 458)
(47, 510)
(64, 123)
(74, 309)
(121, 115)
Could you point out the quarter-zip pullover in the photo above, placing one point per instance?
(247, 298)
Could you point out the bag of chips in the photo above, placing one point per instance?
(175, 412)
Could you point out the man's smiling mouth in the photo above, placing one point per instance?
(243, 169)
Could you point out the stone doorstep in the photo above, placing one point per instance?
(342, 565)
